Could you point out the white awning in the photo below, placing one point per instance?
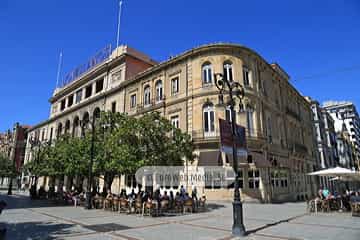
(336, 172)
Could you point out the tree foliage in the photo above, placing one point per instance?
(7, 168)
(122, 144)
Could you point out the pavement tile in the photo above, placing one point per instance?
(173, 231)
(310, 232)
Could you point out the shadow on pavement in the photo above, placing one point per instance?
(36, 230)
(17, 201)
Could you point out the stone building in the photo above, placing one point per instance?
(12, 145)
(346, 118)
(326, 140)
(277, 118)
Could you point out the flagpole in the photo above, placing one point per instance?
(58, 70)
(118, 29)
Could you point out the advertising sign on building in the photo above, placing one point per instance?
(226, 138)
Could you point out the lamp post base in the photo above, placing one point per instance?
(88, 204)
(238, 228)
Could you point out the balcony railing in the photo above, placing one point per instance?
(152, 103)
(201, 135)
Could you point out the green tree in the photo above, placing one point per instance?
(7, 168)
(161, 143)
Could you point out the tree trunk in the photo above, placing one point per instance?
(108, 180)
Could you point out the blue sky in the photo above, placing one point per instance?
(316, 42)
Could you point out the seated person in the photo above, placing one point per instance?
(177, 197)
(325, 193)
(109, 194)
(355, 198)
(165, 196)
(42, 192)
(320, 194)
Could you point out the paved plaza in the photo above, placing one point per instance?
(26, 219)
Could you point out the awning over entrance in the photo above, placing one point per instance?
(210, 158)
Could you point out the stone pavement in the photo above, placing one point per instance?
(26, 219)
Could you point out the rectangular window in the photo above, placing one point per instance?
(246, 76)
(175, 121)
(88, 91)
(62, 105)
(43, 135)
(254, 179)
(133, 101)
(279, 178)
(249, 159)
(78, 96)
(99, 86)
(54, 108)
(175, 85)
(250, 122)
(70, 100)
(113, 107)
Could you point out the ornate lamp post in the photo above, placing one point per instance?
(235, 91)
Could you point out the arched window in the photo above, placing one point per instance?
(85, 123)
(250, 120)
(59, 130)
(67, 126)
(159, 90)
(96, 113)
(206, 73)
(147, 95)
(228, 71)
(209, 120)
(76, 124)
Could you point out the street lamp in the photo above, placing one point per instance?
(83, 124)
(235, 91)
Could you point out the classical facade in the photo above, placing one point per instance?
(277, 118)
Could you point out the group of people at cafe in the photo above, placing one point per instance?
(336, 200)
(154, 197)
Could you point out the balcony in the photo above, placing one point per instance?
(293, 114)
(151, 105)
(253, 138)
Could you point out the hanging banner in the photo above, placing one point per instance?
(226, 138)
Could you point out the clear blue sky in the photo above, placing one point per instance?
(307, 38)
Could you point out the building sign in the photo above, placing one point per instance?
(226, 138)
(98, 58)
